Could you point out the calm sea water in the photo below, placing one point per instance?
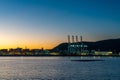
(59, 68)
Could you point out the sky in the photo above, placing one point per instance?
(47, 23)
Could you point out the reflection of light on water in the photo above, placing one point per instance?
(81, 57)
(21, 58)
(94, 57)
(87, 58)
(110, 57)
(34, 58)
(50, 68)
(8, 58)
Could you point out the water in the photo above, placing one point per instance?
(59, 68)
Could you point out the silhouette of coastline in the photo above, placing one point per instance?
(109, 47)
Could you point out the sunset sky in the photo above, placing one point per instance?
(46, 23)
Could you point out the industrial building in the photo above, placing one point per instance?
(76, 46)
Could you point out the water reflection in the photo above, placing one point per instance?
(59, 68)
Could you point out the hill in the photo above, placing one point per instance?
(103, 45)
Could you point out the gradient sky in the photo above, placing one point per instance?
(46, 23)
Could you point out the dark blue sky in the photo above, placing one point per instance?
(43, 22)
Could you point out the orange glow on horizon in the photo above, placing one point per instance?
(14, 41)
(29, 46)
(31, 41)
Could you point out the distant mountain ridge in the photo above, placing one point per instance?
(103, 45)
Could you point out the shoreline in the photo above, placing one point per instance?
(59, 56)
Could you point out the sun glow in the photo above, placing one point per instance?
(14, 41)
